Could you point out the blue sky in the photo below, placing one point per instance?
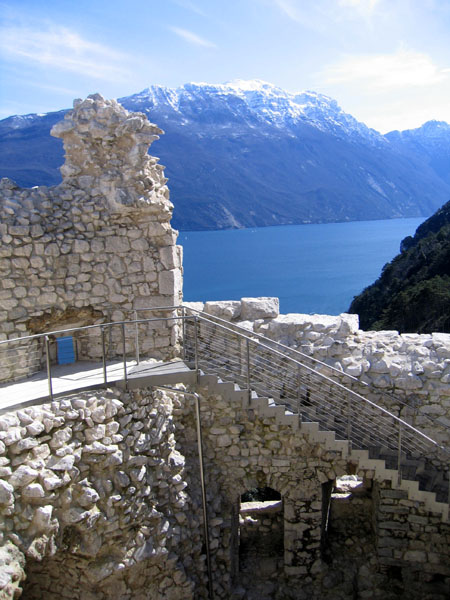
(387, 62)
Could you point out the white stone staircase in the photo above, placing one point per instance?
(267, 408)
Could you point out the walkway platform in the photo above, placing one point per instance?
(85, 375)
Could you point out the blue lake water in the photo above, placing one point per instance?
(311, 268)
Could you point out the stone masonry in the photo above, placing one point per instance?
(100, 491)
(414, 369)
(100, 499)
(96, 247)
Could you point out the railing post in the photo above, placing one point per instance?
(203, 488)
(249, 391)
(196, 346)
(399, 449)
(125, 377)
(49, 369)
(299, 397)
(102, 329)
(448, 499)
(183, 326)
(136, 335)
(349, 423)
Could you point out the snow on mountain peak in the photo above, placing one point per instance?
(266, 102)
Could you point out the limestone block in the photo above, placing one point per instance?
(33, 491)
(259, 308)
(51, 482)
(195, 305)
(410, 382)
(228, 310)
(170, 281)
(170, 257)
(22, 476)
(6, 493)
(65, 463)
(349, 324)
(117, 245)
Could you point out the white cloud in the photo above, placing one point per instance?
(363, 6)
(404, 68)
(191, 37)
(61, 48)
(315, 13)
(190, 6)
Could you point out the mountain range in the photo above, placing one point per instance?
(247, 153)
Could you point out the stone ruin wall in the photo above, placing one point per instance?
(99, 492)
(94, 248)
(100, 499)
(413, 368)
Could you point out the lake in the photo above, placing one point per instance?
(311, 268)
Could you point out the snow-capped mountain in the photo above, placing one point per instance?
(256, 99)
(246, 153)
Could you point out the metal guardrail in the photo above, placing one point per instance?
(22, 357)
(254, 363)
(361, 387)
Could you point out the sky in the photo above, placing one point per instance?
(386, 62)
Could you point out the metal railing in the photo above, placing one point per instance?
(256, 363)
(393, 403)
(111, 347)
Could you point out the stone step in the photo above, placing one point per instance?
(269, 408)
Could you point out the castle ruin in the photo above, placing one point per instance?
(101, 490)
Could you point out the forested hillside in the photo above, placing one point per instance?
(412, 295)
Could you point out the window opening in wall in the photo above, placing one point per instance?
(345, 486)
(261, 538)
(347, 520)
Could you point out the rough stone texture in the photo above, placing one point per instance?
(409, 374)
(93, 248)
(104, 502)
(12, 574)
(98, 504)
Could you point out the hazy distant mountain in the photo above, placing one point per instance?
(429, 143)
(249, 154)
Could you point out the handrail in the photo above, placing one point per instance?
(223, 350)
(261, 364)
(85, 327)
(248, 336)
(339, 374)
(23, 356)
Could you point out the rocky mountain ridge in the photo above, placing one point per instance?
(247, 154)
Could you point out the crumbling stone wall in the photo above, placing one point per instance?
(93, 498)
(97, 246)
(100, 497)
(244, 450)
(412, 368)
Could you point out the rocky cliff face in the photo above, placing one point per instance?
(412, 293)
(249, 154)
